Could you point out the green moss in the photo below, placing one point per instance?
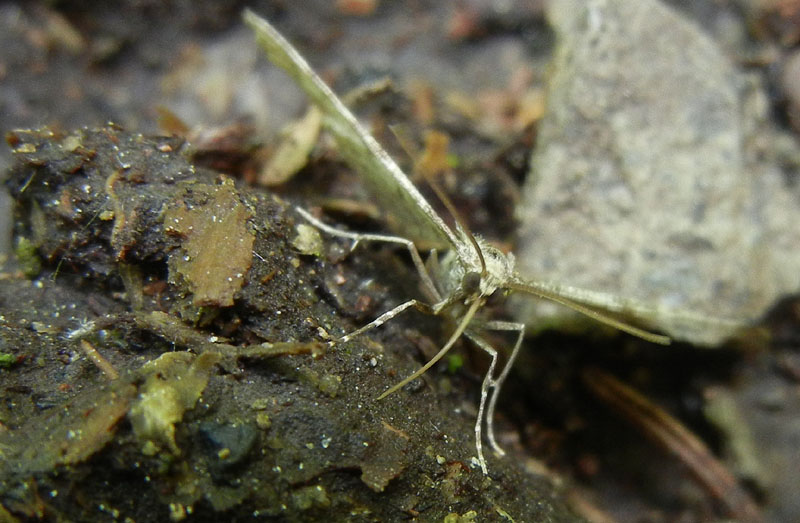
(454, 363)
(329, 384)
(7, 360)
(28, 257)
(262, 421)
(307, 497)
(467, 517)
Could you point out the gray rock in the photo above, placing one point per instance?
(645, 183)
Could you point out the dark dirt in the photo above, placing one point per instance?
(284, 428)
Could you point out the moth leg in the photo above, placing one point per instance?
(386, 316)
(487, 384)
(357, 238)
(490, 382)
(497, 384)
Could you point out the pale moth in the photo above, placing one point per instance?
(470, 271)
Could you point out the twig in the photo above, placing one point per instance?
(671, 435)
(100, 362)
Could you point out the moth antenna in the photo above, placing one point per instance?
(408, 147)
(462, 325)
(590, 312)
(461, 225)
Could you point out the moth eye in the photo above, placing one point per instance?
(495, 255)
(471, 282)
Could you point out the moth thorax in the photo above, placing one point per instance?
(499, 268)
(451, 273)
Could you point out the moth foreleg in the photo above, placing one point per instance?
(386, 316)
(430, 288)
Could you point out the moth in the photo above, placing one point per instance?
(470, 270)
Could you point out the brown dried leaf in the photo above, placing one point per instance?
(291, 155)
(218, 247)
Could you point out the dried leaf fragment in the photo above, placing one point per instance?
(218, 246)
(291, 155)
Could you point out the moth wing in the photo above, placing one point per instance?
(413, 217)
(634, 316)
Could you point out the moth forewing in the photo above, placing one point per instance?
(627, 314)
(388, 183)
(471, 271)
(596, 305)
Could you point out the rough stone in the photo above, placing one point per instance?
(644, 181)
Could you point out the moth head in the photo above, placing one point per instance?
(493, 269)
